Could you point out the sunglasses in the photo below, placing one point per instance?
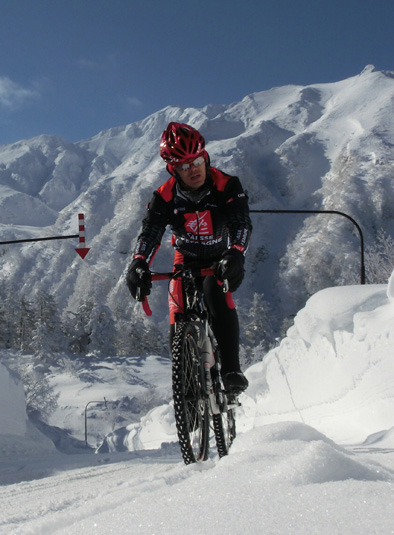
(196, 163)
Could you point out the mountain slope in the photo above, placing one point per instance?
(324, 146)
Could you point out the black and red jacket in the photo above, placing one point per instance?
(204, 223)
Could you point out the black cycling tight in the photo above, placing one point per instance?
(225, 325)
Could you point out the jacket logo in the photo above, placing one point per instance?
(199, 223)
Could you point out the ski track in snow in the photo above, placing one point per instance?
(63, 499)
(283, 478)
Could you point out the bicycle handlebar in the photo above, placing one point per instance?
(203, 272)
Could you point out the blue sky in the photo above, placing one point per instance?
(75, 67)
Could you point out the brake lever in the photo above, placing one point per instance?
(140, 272)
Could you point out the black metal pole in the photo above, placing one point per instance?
(40, 239)
(86, 419)
(330, 212)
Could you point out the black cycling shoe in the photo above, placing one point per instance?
(235, 382)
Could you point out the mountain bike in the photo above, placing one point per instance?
(201, 403)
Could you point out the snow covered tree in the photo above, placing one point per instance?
(43, 355)
(102, 332)
(48, 316)
(137, 337)
(11, 311)
(26, 324)
(77, 329)
(257, 329)
(91, 330)
(4, 334)
(379, 259)
(40, 398)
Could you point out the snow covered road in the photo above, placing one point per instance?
(280, 478)
(314, 452)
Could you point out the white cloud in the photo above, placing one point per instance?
(134, 102)
(13, 95)
(84, 63)
(91, 65)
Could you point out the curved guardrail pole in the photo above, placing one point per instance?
(86, 417)
(329, 212)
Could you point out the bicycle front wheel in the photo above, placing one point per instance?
(190, 400)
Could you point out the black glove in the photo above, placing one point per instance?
(139, 279)
(231, 268)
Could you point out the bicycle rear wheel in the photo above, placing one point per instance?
(190, 400)
(224, 429)
(223, 422)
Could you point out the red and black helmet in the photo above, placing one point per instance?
(180, 143)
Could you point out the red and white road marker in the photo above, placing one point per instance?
(82, 250)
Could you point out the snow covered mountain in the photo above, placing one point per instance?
(324, 146)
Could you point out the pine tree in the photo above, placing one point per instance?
(48, 316)
(77, 327)
(379, 259)
(12, 311)
(4, 335)
(102, 332)
(43, 355)
(26, 324)
(257, 330)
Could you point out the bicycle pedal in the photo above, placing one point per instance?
(232, 399)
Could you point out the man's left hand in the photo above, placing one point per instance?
(231, 268)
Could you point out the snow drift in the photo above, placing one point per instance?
(333, 371)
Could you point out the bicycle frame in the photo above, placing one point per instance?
(177, 273)
(213, 403)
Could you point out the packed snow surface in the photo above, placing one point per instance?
(314, 452)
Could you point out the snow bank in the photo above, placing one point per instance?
(18, 437)
(156, 429)
(335, 369)
(13, 407)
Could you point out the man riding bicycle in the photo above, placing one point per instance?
(208, 213)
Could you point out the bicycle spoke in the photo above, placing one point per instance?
(190, 404)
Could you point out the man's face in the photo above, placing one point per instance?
(193, 173)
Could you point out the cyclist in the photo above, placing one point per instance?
(208, 213)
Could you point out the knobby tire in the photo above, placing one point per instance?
(190, 400)
(224, 422)
(224, 429)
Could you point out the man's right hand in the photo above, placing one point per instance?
(139, 279)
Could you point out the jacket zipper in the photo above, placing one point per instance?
(198, 226)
